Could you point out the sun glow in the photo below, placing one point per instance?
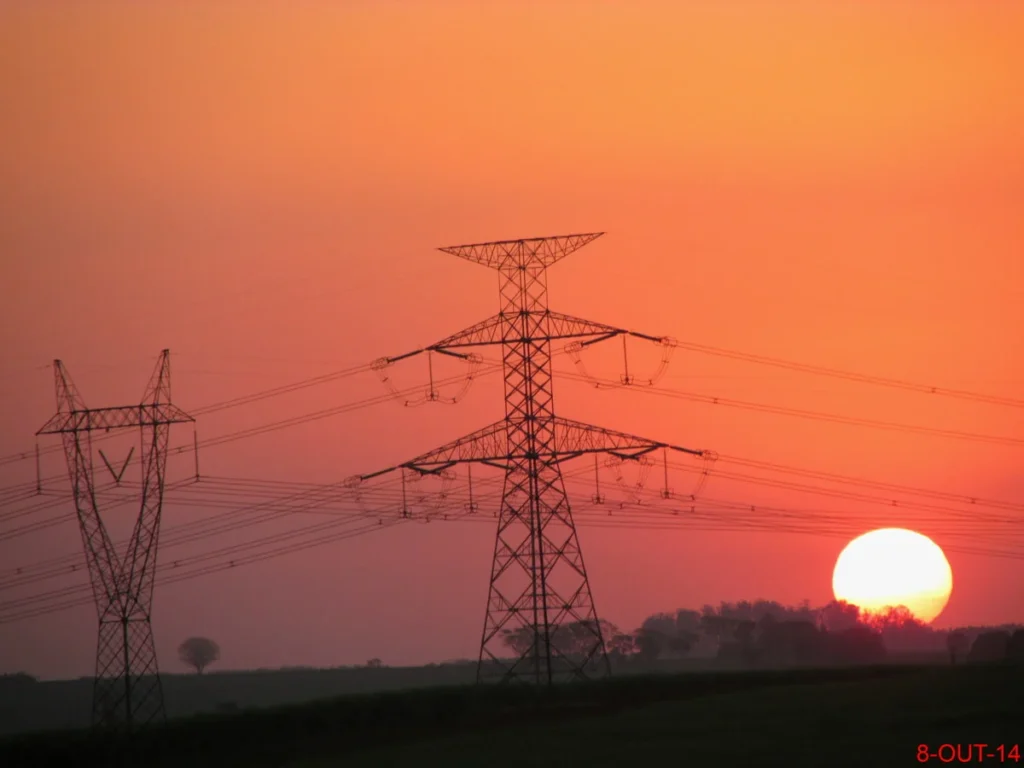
(894, 566)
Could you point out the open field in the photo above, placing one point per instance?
(27, 705)
(66, 704)
(856, 716)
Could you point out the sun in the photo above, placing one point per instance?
(894, 566)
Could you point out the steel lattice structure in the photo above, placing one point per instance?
(539, 585)
(127, 693)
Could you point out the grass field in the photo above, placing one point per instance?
(838, 717)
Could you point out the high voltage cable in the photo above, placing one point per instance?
(540, 461)
(850, 495)
(728, 525)
(281, 390)
(168, 531)
(852, 376)
(172, 538)
(805, 414)
(73, 603)
(854, 522)
(267, 485)
(834, 477)
(274, 506)
(813, 516)
(237, 549)
(587, 514)
(64, 498)
(491, 368)
(284, 423)
(707, 349)
(264, 394)
(976, 501)
(972, 515)
(230, 403)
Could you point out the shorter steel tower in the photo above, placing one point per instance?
(127, 693)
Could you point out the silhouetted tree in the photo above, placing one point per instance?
(791, 642)
(680, 643)
(374, 663)
(901, 630)
(990, 646)
(745, 610)
(856, 645)
(574, 638)
(620, 647)
(664, 632)
(650, 643)
(687, 622)
(519, 639)
(664, 623)
(958, 646)
(838, 616)
(199, 652)
(890, 616)
(1015, 648)
(721, 628)
(745, 638)
(577, 637)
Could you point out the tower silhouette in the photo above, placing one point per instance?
(539, 586)
(127, 693)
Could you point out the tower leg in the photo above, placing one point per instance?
(541, 625)
(127, 693)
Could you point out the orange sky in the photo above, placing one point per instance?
(260, 187)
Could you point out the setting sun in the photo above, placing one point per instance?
(894, 566)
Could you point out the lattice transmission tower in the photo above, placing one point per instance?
(539, 586)
(127, 693)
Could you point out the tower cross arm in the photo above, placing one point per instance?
(485, 446)
(89, 419)
(495, 331)
(573, 438)
(508, 254)
(490, 446)
(558, 327)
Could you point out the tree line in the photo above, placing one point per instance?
(767, 633)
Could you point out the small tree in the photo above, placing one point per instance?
(198, 652)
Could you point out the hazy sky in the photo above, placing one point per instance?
(260, 187)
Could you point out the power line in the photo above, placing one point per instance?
(635, 517)
(235, 485)
(807, 414)
(24, 492)
(703, 348)
(863, 378)
(263, 395)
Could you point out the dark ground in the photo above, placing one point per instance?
(65, 704)
(58, 704)
(867, 716)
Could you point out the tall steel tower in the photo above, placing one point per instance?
(539, 587)
(127, 693)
